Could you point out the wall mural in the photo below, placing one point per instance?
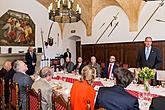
(16, 29)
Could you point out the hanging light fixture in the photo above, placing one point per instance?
(61, 11)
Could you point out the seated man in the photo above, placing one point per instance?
(95, 65)
(68, 65)
(46, 90)
(109, 68)
(78, 67)
(82, 90)
(5, 68)
(116, 98)
(23, 80)
(158, 103)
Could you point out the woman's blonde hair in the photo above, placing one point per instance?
(89, 74)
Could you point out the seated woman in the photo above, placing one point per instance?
(82, 90)
(116, 98)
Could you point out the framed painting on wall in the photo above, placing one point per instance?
(16, 29)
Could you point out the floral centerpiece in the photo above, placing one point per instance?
(146, 74)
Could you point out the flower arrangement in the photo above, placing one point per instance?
(146, 74)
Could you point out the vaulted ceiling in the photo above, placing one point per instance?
(90, 8)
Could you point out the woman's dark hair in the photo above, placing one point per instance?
(123, 77)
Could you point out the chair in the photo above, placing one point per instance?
(59, 103)
(13, 98)
(56, 64)
(101, 108)
(2, 93)
(125, 66)
(33, 99)
(88, 105)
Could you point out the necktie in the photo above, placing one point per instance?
(109, 70)
(147, 53)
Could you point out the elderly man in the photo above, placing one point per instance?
(95, 65)
(110, 67)
(6, 68)
(23, 80)
(46, 89)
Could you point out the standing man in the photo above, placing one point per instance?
(31, 60)
(23, 80)
(110, 67)
(79, 65)
(149, 56)
(67, 54)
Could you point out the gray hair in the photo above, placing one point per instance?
(16, 65)
(45, 71)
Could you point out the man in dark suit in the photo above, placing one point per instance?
(158, 103)
(149, 56)
(31, 60)
(23, 80)
(79, 65)
(116, 97)
(67, 54)
(110, 67)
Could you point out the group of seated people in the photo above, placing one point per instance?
(109, 98)
(108, 71)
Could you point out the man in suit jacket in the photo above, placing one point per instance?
(68, 65)
(46, 89)
(78, 67)
(110, 67)
(23, 80)
(158, 103)
(95, 65)
(149, 56)
(116, 97)
(31, 60)
(67, 54)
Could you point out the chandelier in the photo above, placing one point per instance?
(61, 11)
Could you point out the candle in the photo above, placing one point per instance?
(80, 10)
(77, 7)
(69, 5)
(58, 4)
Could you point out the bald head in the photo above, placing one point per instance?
(7, 65)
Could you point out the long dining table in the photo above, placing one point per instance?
(64, 81)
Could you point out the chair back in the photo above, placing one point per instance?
(101, 108)
(13, 98)
(33, 99)
(59, 103)
(2, 93)
(88, 105)
(55, 63)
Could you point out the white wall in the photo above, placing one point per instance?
(39, 15)
(121, 33)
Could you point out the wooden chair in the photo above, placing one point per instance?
(56, 64)
(59, 103)
(33, 99)
(2, 93)
(101, 108)
(88, 105)
(125, 66)
(13, 98)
